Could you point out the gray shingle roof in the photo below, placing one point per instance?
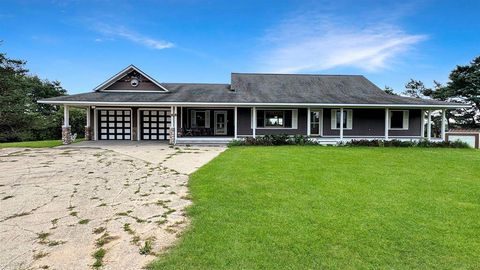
(263, 88)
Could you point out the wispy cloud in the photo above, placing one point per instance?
(133, 36)
(314, 43)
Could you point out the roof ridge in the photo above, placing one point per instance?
(196, 83)
(298, 74)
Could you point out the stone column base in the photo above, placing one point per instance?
(67, 135)
(88, 133)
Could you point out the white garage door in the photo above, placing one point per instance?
(469, 139)
(114, 124)
(155, 124)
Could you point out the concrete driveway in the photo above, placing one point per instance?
(124, 199)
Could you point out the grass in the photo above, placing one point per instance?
(98, 256)
(36, 144)
(336, 208)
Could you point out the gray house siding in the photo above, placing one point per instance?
(244, 124)
(371, 122)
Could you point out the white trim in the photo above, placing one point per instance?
(113, 109)
(320, 122)
(215, 122)
(405, 118)
(235, 123)
(341, 121)
(429, 125)
(387, 122)
(66, 116)
(443, 124)
(88, 124)
(175, 129)
(294, 118)
(122, 73)
(308, 122)
(254, 121)
(333, 117)
(133, 91)
(210, 104)
(95, 124)
(422, 128)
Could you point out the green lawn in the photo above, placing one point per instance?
(337, 208)
(35, 144)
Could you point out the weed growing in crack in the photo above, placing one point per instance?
(84, 221)
(99, 230)
(98, 256)
(146, 249)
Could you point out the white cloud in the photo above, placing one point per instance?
(123, 32)
(310, 43)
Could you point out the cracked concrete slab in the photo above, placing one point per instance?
(60, 205)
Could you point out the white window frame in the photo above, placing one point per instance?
(320, 122)
(349, 119)
(406, 118)
(194, 117)
(294, 118)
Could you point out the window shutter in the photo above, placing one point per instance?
(288, 115)
(349, 119)
(295, 119)
(405, 119)
(260, 118)
(207, 119)
(193, 120)
(333, 119)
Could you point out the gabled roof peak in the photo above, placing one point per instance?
(124, 72)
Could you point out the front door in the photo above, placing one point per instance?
(220, 123)
(316, 120)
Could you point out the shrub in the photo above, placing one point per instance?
(398, 143)
(269, 140)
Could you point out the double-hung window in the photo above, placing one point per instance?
(399, 119)
(347, 119)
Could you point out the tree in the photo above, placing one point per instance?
(464, 86)
(21, 117)
(416, 89)
(389, 90)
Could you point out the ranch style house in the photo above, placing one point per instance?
(131, 105)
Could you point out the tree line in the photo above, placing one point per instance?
(463, 86)
(21, 117)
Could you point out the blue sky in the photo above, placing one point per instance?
(82, 43)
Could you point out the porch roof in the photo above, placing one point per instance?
(261, 90)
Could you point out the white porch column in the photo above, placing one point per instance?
(235, 123)
(387, 124)
(443, 124)
(308, 122)
(88, 126)
(422, 127)
(88, 116)
(341, 124)
(66, 116)
(175, 132)
(66, 130)
(429, 125)
(254, 123)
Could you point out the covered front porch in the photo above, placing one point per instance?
(219, 125)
